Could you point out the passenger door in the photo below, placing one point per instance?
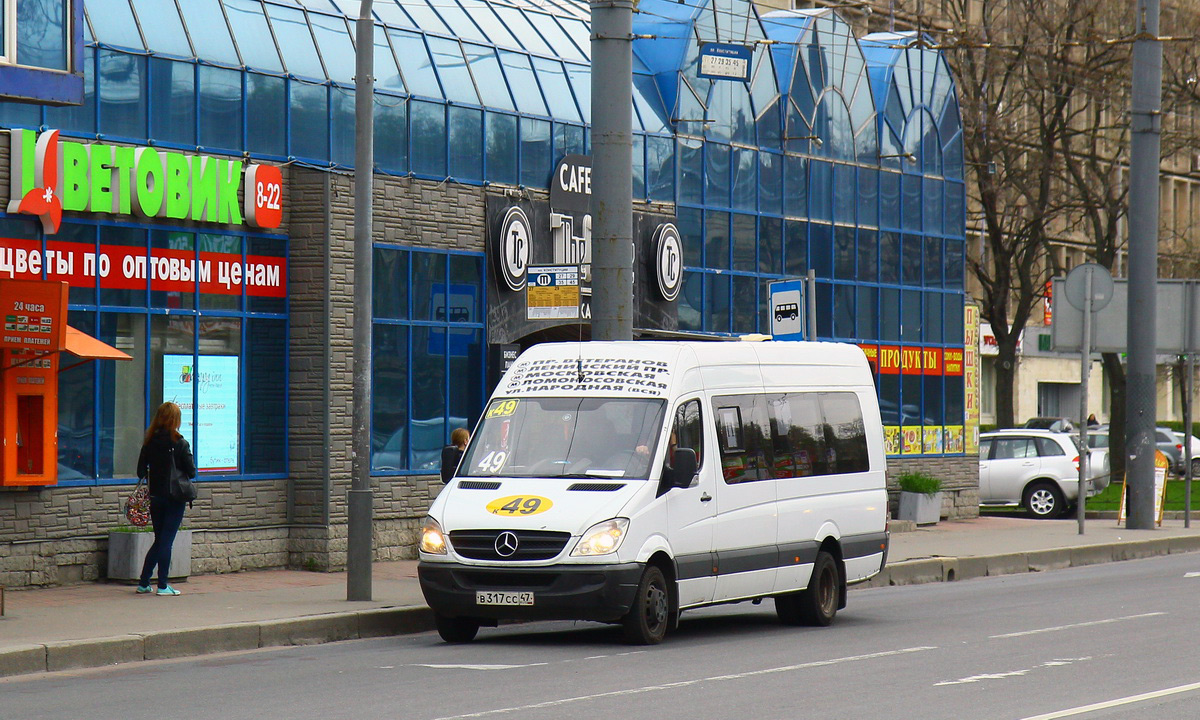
(691, 510)
(744, 537)
(1014, 463)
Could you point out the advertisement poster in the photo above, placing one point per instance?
(215, 379)
(891, 439)
(933, 440)
(912, 440)
(971, 378)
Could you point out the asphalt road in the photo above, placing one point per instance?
(1107, 641)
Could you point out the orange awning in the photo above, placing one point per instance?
(85, 346)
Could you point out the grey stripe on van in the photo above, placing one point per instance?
(728, 562)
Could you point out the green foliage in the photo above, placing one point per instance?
(132, 529)
(1110, 498)
(919, 482)
(1177, 426)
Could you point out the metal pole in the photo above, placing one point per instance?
(1085, 351)
(612, 169)
(1144, 158)
(359, 501)
(810, 305)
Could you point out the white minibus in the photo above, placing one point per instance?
(625, 482)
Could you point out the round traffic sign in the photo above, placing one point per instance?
(1075, 288)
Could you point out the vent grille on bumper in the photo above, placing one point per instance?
(531, 544)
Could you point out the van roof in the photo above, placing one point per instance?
(645, 368)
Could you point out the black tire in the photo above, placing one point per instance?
(816, 605)
(1195, 468)
(647, 621)
(456, 629)
(1044, 500)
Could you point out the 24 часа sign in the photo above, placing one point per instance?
(554, 239)
(49, 176)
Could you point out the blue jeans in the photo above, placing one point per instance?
(167, 516)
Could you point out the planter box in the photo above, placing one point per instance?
(920, 508)
(127, 551)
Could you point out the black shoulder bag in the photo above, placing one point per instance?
(179, 486)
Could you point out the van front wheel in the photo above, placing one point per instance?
(456, 629)
(646, 622)
(816, 605)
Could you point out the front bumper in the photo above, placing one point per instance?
(561, 592)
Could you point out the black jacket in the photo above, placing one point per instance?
(153, 462)
(451, 457)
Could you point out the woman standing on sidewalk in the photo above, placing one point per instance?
(162, 447)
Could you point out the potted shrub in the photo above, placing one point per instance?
(920, 498)
(127, 548)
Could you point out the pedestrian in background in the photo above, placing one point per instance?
(452, 454)
(1092, 421)
(162, 447)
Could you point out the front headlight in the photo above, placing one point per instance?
(601, 538)
(432, 539)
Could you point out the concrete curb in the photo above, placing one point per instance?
(308, 630)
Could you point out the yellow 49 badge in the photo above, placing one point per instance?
(519, 505)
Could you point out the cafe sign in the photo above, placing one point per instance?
(49, 176)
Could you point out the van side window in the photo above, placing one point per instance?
(741, 432)
(688, 431)
(845, 433)
(817, 434)
(797, 435)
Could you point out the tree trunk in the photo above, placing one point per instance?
(1005, 380)
(1115, 372)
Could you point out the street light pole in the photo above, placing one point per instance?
(612, 169)
(359, 501)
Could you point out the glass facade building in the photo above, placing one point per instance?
(839, 155)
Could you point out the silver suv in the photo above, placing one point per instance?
(1035, 469)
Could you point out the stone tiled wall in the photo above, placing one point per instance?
(960, 482)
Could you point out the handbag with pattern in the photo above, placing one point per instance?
(137, 505)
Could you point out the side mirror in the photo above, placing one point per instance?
(683, 463)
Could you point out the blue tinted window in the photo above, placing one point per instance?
(387, 75)
(639, 165)
(173, 96)
(568, 140)
(745, 303)
(716, 187)
(535, 152)
(844, 252)
(770, 183)
(558, 92)
(167, 35)
(523, 83)
(415, 64)
(114, 25)
(481, 13)
(428, 138)
(466, 143)
(581, 80)
(954, 319)
(821, 184)
(558, 39)
(336, 50)
(265, 376)
(456, 80)
(889, 315)
(795, 184)
(868, 197)
(501, 148)
(391, 133)
(954, 264)
(20, 114)
(910, 316)
(220, 108)
(296, 42)
(253, 35)
(691, 171)
(889, 258)
(795, 247)
(868, 255)
(343, 125)
(460, 25)
(579, 32)
(824, 310)
(844, 193)
(389, 397)
(770, 245)
(911, 201)
(210, 35)
(79, 118)
(889, 200)
(955, 210)
(390, 272)
(691, 300)
(844, 314)
(913, 252)
(309, 121)
(520, 27)
(122, 88)
(933, 262)
(745, 243)
(933, 317)
(745, 179)
(423, 17)
(716, 303)
(266, 111)
(660, 168)
(867, 311)
(716, 240)
(689, 221)
(485, 67)
(932, 200)
(820, 249)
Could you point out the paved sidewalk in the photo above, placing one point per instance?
(99, 624)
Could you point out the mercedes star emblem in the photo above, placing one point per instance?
(506, 544)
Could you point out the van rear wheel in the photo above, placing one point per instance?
(818, 603)
(456, 629)
(647, 621)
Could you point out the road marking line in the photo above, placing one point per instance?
(1010, 673)
(1023, 633)
(475, 667)
(1192, 574)
(687, 683)
(1129, 700)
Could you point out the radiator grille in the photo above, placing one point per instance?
(531, 544)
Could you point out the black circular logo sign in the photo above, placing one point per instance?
(515, 238)
(668, 260)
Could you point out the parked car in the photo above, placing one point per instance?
(1053, 424)
(1195, 455)
(1166, 439)
(1035, 469)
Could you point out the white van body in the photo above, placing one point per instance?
(790, 486)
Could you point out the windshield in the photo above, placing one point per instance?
(565, 437)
